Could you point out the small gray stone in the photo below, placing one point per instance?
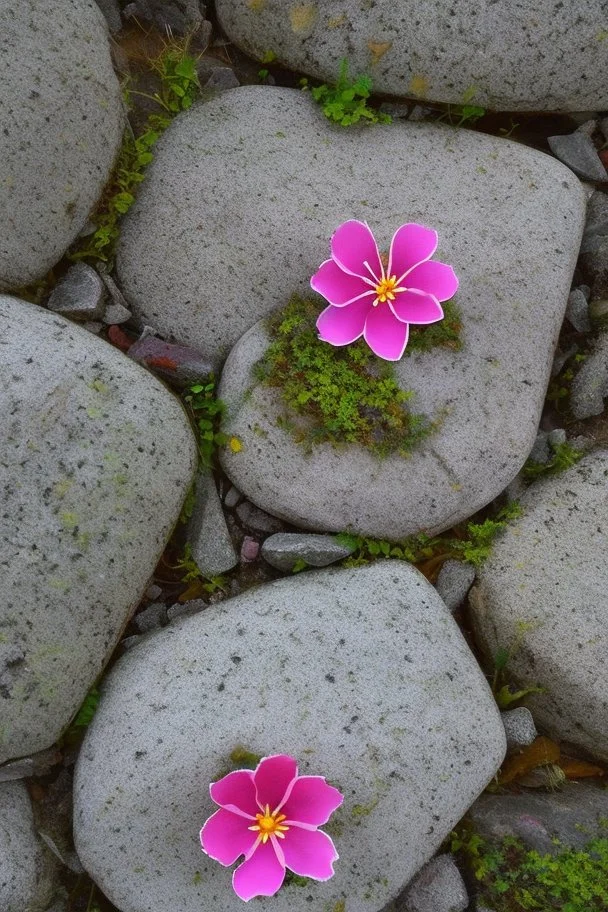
(590, 385)
(37, 765)
(588, 127)
(151, 618)
(250, 549)
(26, 868)
(111, 287)
(577, 151)
(131, 641)
(540, 452)
(222, 79)
(153, 592)
(556, 437)
(208, 534)
(284, 549)
(258, 520)
(519, 727)
(116, 314)
(577, 311)
(560, 358)
(185, 609)
(454, 581)
(232, 498)
(112, 13)
(596, 222)
(80, 294)
(439, 887)
(419, 113)
(93, 326)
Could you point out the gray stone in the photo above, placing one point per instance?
(594, 261)
(540, 452)
(439, 887)
(95, 460)
(185, 609)
(285, 549)
(577, 311)
(543, 595)
(37, 765)
(208, 534)
(180, 16)
(597, 215)
(221, 79)
(556, 437)
(454, 581)
(588, 127)
(93, 326)
(420, 113)
(590, 385)
(153, 592)
(574, 815)
(112, 13)
(62, 121)
(578, 152)
(257, 520)
(504, 56)
(395, 109)
(361, 674)
(232, 498)
(180, 365)
(26, 869)
(116, 314)
(130, 641)
(80, 294)
(151, 618)
(111, 286)
(519, 727)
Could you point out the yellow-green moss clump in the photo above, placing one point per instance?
(346, 395)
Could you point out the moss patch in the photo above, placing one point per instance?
(513, 878)
(345, 395)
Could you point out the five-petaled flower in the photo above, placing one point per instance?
(365, 299)
(271, 816)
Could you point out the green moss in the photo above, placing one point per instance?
(243, 758)
(513, 878)
(345, 395)
(564, 457)
(294, 880)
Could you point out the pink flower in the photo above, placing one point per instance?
(367, 300)
(271, 816)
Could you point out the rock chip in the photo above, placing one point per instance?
(590, 385)
(208, 534)
(454, 581)
(285, 549)
(438, 888)
(62, 121)
(505, 56)
(519, 727)
(577, 311)
(95, 460)
(80, 294)
(361, 674)
(26, 868)
(578, 152)
(542, 595)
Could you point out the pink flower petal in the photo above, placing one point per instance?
(272, 776)
(416, 307)
(260, 875)
(385, 334)
(236, 791)
(435, 278)
(411, 244)
(336, 286)
(352, 245)
(225, 836)
(343, 325)
(312, 800)
(309, 853)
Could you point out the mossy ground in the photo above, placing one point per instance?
(512, 878)
(346, 395)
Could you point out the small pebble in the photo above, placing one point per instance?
(249, 549)
(577, 311)
(93, 326)
(540, 451)
(284, 549)
(454, 581)
(185, 609)
(257, 520)
(576, 150)
(151, 618)
(590, 384)
(116, 314)
(80, 294)
(222, 79)
(556, 437)
(153, 592)
(519, 727)
(232, 498)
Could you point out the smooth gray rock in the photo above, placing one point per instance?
(151, 618)
(574, 815)
(285, 549)
(221, 79)
(577, 311)
(256, 520)
(232, 498)
(439, 887)
(454, 581)
(208, 534)
(180, 16)
(62, 120)
(26, 869)
(596, 223)
(80, 294)
(519, 727)
(361, 674)
(543, 595)
(576, 150)
(590, 384)
(95, 459)
(505, 56)
(184, 609)
(116, 314)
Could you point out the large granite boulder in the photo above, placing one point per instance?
(62, 122)
(360, 674)
(96, 457)
(541, 55)
(26, 866)
(543, 595)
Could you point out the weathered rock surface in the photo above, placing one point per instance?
(439, 887)
(208, 534)
(26, 868)
(519, 727)
(590, 384)
(95, 460)
(285, 549)
(361, 674)
(543, 596)
(541, 55)
(62, 122)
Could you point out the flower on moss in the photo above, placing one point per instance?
(366, 299)
(271, 816)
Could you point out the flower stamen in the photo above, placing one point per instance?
(269, 825)
(386, 290)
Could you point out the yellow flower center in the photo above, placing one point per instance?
(385, 289)
(269, 825)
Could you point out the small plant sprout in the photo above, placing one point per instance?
(271, 816)
(376, 298)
